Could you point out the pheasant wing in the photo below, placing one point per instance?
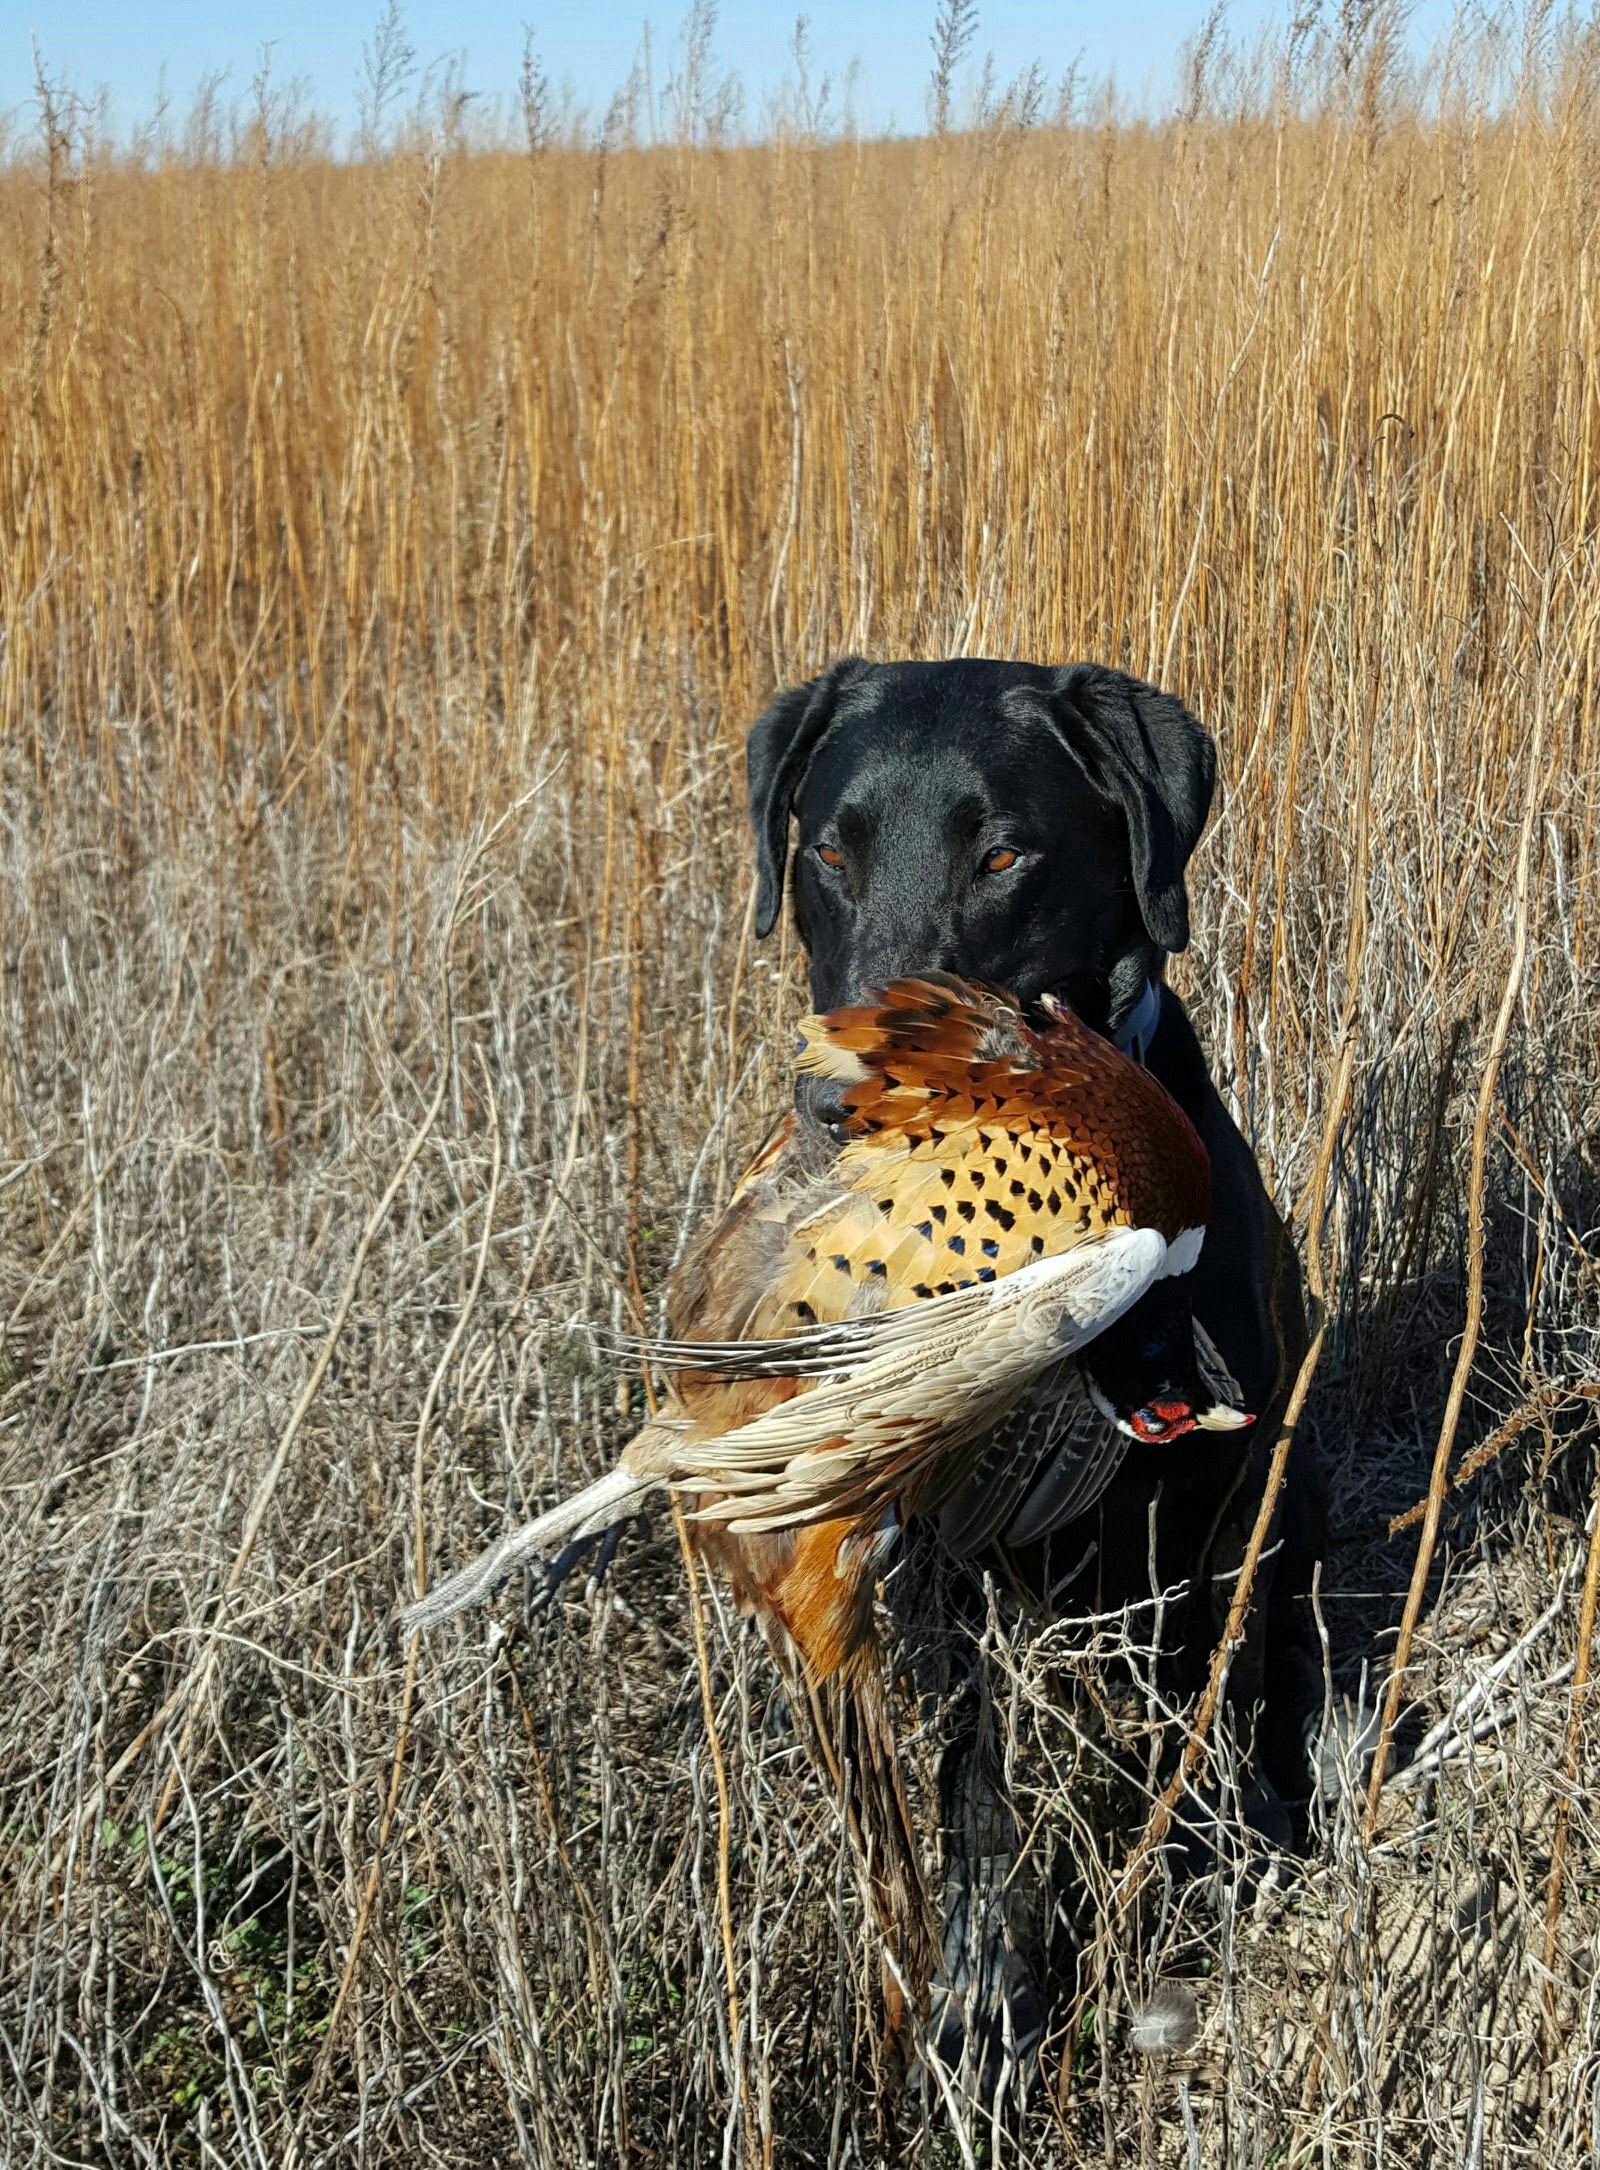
(1086, 1290)
(1048, 1464)
(926, 1384)
(1087, 1453)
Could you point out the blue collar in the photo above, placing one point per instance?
(1134, 1036)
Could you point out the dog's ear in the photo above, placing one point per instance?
(1143, 750)
(781, 742)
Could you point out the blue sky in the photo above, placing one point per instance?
(123, 45)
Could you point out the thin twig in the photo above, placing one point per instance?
(1159, 1821)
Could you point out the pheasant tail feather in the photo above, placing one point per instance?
(854, 1744)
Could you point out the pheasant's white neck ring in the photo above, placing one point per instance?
(1132, 1038)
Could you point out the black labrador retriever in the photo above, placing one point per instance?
(1031, 826)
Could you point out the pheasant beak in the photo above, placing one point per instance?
(1220, 1418)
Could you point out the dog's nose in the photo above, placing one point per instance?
(1090, 995)
(822, 1098)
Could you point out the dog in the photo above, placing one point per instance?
(1032, 826)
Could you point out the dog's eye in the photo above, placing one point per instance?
(830, 855)
(1001, 861)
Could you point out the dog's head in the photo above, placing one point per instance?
(1007, 821)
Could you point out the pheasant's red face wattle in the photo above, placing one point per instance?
(1162, 1420)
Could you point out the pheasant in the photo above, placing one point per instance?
(1004, 1217)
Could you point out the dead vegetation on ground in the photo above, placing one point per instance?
(391, 556)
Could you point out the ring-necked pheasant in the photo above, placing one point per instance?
(1005, 1216)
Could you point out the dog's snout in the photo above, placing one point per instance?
(822, 1098)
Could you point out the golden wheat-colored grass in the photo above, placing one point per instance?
(392, 555)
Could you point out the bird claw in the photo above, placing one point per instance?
(559, 1570)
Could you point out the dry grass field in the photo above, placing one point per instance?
(392, 554)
